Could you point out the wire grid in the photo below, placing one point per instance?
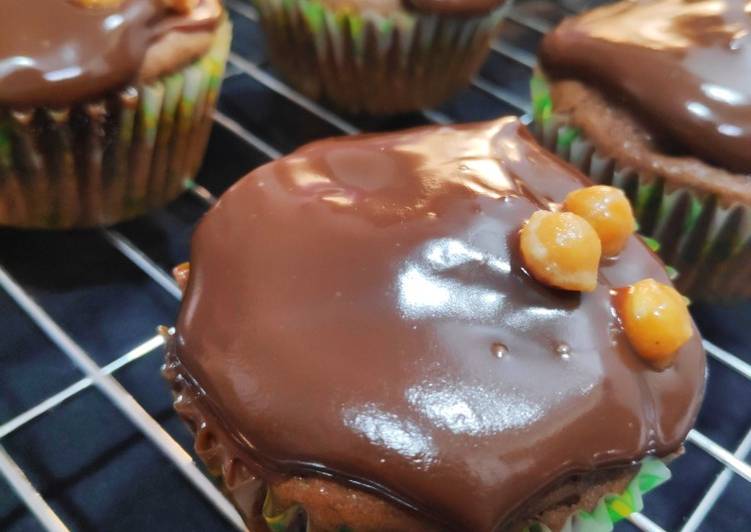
(530, 18)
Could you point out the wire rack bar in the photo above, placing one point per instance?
(120, 398)
(730, 360)
(29, 495)
(642, 522)
(437, 117)
(48, 404)
(54, 400)
(202, 193)
(269, 81)
(208, 198)
(281, 88)
(256, 142)
(716, 489)
(531, 22)
(244, 9)
(514, 53)
(719, 453)
(140, 259)
(502, 94)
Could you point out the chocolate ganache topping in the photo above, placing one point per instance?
(682, 65)
(359, 309)
(58, 52)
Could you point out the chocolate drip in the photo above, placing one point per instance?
(681, 65)
(57, 52)
(345, 307)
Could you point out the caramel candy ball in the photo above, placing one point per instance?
(562, 250)
(181, 273)
(607, 210)
(656, 321)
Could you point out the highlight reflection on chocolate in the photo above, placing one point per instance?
(67, 52)
(345, 309)
(682, 65)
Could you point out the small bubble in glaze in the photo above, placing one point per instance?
(498, 350)
(615, 332)
(563, 351)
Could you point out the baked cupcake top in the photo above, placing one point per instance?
(63, 51)
(360, 309)
(682, 66)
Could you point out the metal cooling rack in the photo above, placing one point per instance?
(88, 438)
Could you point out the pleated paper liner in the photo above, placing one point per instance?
(616, 507)
(104, 161)
(373, 63)
(257, 501)
(707, 240)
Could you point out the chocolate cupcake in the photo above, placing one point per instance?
(382, 56)
(105, 106)
(368, 342)
(652, 96)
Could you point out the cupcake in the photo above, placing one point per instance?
(105, 106)
(438, 329)
(380, 56)
(651, 96)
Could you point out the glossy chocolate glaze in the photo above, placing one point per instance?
(681, 65)
(59, 52)
(359, 309)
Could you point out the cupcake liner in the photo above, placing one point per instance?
(616, 507)
(103, 161)
(706, 239)
(292, 518)
(375, 63)
(255, 498)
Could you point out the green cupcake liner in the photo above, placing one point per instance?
(613, 508)
(103, 161)
(293, 518)
(608, 511)
(707, 241)
(364, 61)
